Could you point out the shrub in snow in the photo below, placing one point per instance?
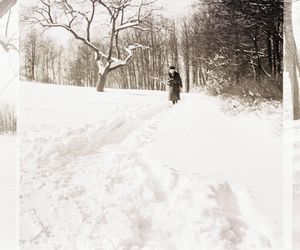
(8, 120)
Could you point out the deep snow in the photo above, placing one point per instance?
(296, 205)
(125, 170)
(296, 219)
(9, 68)
(8, 167)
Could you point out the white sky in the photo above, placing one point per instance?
(170, 8)
(174, 9)
(9, 62)
(296, 22)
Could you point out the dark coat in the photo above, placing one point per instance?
(175, 84)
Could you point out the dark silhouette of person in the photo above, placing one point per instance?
(175, 85)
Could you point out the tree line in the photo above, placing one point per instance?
(224, 46)
(235, 46)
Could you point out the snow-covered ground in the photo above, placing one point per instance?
(296, 133)
(125, 170)
(9, 67)
(8, 164)
(296, 218)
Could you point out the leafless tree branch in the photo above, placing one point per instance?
(66, 16)
(5, 6)
(5, 42)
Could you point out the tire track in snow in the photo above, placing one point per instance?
(118, 197)
(45, 155)
(88, 139)
(47, 169)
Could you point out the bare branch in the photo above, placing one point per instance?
(47, 5)
(137, 19)
(5, 42)
(76, 35)
(129, 49)
(7, 45)
(66, 16)
(44, 18)
(7, 23)
(106, 7)
(5, 6)
(90, 20)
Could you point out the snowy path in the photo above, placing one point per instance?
(234, 149)
(127, 171)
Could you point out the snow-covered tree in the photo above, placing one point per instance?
(235, 46)
(81, 18)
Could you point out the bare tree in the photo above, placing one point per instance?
(234, 47)
(72, 16)
(186, 51)
(5, 41)
(292, 63)
(29, 50)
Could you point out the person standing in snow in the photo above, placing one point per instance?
(175, 85)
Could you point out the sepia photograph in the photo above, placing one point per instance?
(151, 124)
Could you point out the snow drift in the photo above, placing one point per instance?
(8, 163)
(96, 173)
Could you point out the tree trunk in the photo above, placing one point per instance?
(296, 90)
(291, 61)
(102, 81)
(269, 46)
(258, 61)
(33, 55)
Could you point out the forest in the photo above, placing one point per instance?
(227, 47)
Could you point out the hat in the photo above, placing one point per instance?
(172, 67)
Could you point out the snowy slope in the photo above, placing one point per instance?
(296, 159)
(124, 170)
(9, 67)
(296, 221)
(8, 165)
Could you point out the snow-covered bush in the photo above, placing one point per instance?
(8, 120)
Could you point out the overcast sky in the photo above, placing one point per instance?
(170, 8)
(296, 22)
(9, 62)
(178, 8)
